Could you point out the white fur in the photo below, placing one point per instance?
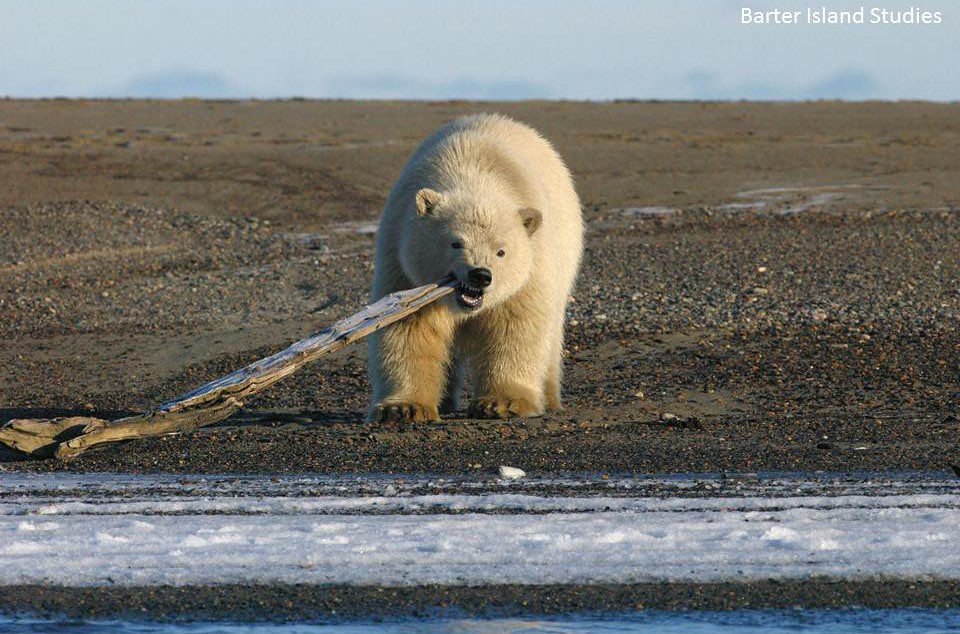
(468, 183)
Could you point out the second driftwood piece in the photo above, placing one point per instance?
(69, 437)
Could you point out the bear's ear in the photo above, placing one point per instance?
(531, 219)
(427, 201)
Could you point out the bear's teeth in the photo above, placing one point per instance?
(471, 291)
(470, 297)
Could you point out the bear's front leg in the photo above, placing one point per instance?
(408, 367)
(509, 362)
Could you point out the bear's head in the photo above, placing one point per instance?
(483, 240)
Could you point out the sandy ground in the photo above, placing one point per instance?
(781, 278)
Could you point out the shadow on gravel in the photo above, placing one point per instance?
(9, 413)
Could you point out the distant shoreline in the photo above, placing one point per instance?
(461, 102)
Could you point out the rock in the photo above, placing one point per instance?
(511, 473)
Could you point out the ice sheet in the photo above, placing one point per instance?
(53, 531)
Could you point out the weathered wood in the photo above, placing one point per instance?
(40, 436)
(69, 437)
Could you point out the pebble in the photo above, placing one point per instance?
(511, 473)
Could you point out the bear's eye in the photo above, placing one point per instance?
(501, 253)
(457, 245)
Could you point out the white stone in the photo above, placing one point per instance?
(511, 473)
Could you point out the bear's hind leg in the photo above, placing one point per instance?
(554, 377)
(454, 388)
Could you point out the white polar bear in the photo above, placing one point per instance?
(490, 202)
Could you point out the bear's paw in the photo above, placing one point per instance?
(503, 406)
(387, 411)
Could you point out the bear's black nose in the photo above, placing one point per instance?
(480, 277)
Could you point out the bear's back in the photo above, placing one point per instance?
(493, 143)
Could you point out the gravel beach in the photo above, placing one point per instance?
(766, 287)
(257, 603)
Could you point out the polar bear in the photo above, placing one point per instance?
(488, 201)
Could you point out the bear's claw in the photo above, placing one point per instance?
(502, 407)
(401, 411)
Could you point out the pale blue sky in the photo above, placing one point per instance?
(481, 49)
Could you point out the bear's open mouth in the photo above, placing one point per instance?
(470, 297)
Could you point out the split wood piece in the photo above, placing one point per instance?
(67, 438)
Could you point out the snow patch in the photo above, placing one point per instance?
(195, 531)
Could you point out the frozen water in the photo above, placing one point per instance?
(741, 622)
(98, 530)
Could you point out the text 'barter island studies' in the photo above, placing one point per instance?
(825, 16)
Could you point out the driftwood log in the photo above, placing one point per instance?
(68, 437)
